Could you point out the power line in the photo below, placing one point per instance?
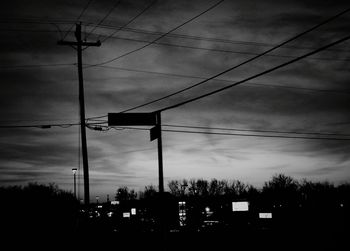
(35, 21)
(341, 92)
(131, 20)
(256, 135)
(238, 134)
(180, 45)
(105, 128)
(160, 37)
(245, 62)
(148, 32)
(99, 124)
(224, 50)
(260, 131)
(249, 78)
(169, 74)
(78, 18)
(104, 18)
(33, 66)
(209, 39)
(42, 126)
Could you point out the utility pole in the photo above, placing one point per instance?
(78, 46)
(160, 154)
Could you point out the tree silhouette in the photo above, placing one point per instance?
(38, 210)
(124, 194)
(281, 189)
(149, 192)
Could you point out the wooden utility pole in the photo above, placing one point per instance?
(78, 46)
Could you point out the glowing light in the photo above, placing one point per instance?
(240, 206)
(133, 211)
(265, 215)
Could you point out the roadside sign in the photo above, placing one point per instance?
(240, 206)
(155, 132)
(133, 211)
(132, 119)
(126, 215)
(265, 215)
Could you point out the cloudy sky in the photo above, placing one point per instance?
(39, 86)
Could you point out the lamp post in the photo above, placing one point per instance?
(74, 170)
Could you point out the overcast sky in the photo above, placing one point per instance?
(290, 99)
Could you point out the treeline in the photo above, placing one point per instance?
(37, 211)
(280, 189)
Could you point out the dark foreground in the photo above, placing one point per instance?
(233, 239)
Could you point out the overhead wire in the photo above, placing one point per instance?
(131, 20)
(35, 21)
(236, 129)
(190, 47)
(116, 4)
(257, 130)
(256, 135)
(78, 18)
(246, 134)
(208, 39)
(158, 38)
(4, 67)
(252, 77)
(272, 133)
(246, 61)
(147, 32)
(169, 74)
(42, 126)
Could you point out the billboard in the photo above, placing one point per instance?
(133, 211)
(265, 215)
(126, 215)
(240, 206)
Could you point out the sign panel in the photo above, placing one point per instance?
(265, 215)
(240, 206)
(126, 215)
(155, 132)
(132, 119)
(133, 211)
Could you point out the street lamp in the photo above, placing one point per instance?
(74, 170)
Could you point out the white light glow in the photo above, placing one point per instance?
(133, 211)
(240, 206)
(265, 215)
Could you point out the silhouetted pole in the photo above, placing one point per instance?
(79, 43)
(160, 155)
(161, 183)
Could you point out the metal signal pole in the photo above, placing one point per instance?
(160, 154)
(79, 44)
